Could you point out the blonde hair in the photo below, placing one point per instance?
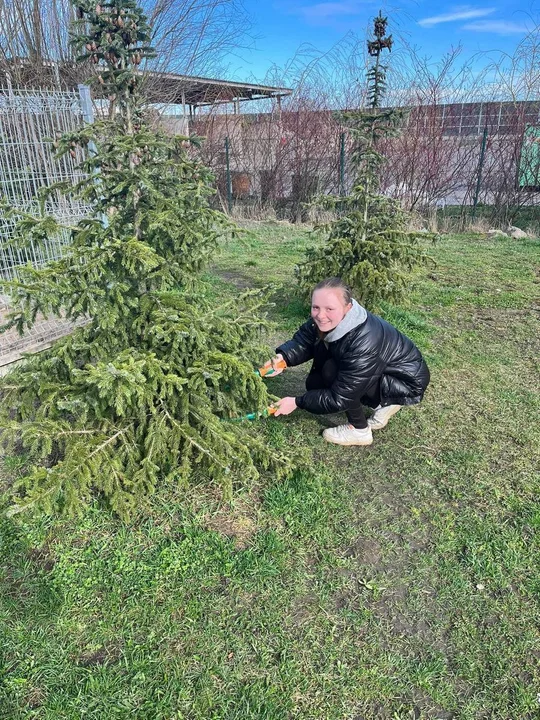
(335, 283)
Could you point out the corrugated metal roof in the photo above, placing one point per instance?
(200, 91)
(161, 87)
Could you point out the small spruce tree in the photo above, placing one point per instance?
(369, 245)
(137, 395)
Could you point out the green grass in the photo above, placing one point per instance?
(392, 582)
(524, 217)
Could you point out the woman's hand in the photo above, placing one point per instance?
(285, 406)
(273, 367)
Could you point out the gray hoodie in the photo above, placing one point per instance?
(355, 317)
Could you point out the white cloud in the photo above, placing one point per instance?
(461, 13)
(497, 27)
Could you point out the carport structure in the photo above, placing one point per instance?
(193, 92)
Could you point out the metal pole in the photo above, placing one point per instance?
(88, 117)
(185, 121)
(229, 183)
(342, 164)
(87, 113)
(86, 103)
(480, 166)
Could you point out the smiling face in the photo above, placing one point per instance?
(328, 308)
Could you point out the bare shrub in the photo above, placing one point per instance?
(190, 37)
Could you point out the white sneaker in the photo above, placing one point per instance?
(381, 416)
(348, 435)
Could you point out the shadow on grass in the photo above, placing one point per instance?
(25, 589)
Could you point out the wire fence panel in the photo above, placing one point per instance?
(30, 122)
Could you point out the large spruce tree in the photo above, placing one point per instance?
(369, 244)
(137, 395)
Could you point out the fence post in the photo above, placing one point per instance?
(480, 166)
(88, 117)
(86, 107)
(229, 183)
(342, 164)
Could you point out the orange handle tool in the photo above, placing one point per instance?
(268, 369)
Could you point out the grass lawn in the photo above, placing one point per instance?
(395, 582)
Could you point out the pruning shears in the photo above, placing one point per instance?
(267, 412)
(267, 370)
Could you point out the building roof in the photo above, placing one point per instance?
(161, 87)
(199, 91)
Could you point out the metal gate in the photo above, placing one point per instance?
(30, 122)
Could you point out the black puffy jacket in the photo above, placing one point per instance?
(374, 354)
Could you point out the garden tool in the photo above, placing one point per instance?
(268, 369)
(254, 415)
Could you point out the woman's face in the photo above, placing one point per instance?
(328, 308)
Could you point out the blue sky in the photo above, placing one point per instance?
(431, 27)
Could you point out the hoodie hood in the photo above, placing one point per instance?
(356, 316)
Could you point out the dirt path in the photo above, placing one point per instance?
(40, 336)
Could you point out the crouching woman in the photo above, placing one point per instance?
(358, 359)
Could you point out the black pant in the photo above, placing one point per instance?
(322, 375)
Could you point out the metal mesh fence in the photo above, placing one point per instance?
(30, 121)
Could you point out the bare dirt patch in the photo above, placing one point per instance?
(239, 523)
(42, 558)
(35, 698)
(237, 278)
(367, 550)
(104, 655)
